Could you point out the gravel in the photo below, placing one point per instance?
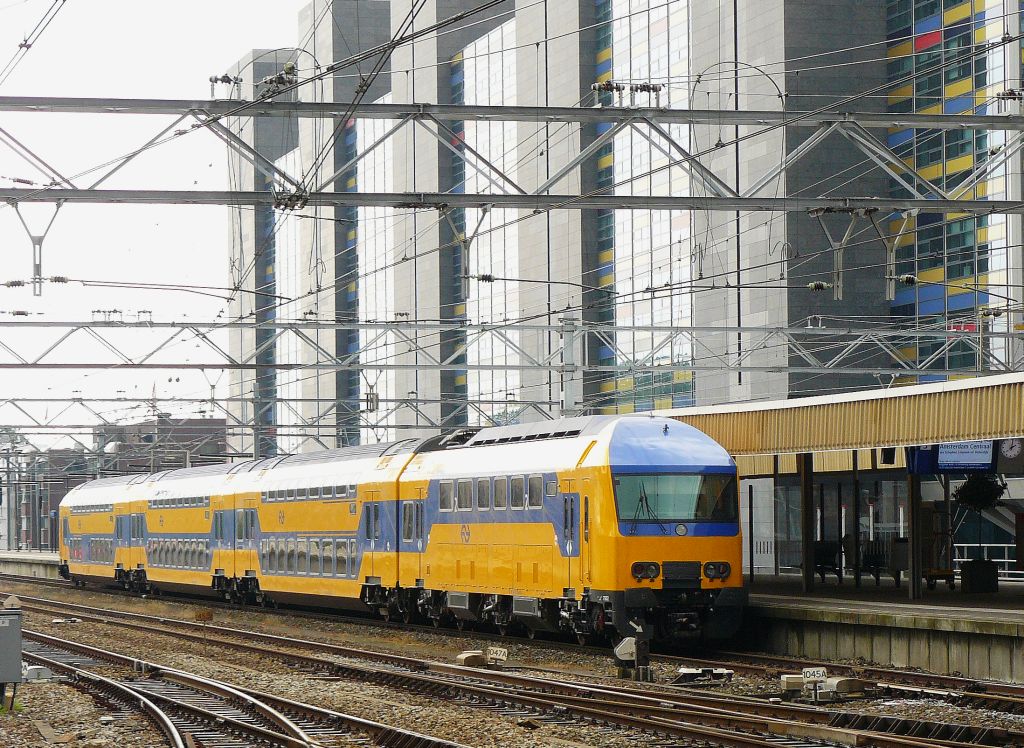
(451, 720)
(70, 713)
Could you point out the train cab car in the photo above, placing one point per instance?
(597, 525)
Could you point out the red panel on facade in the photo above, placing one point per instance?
(924, 41)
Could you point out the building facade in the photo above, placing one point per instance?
(627, 268)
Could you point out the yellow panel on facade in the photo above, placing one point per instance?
(900, 50)
(932, 275)
(607, 386)
(959, 88)
(662, 403)
(606, 161)
(606, 280)
(934, 109)
(626, 408)
(682, 376)
(606, 255)
(960, 163)
(625, 384)
(901, 93)
(604, 54)
(931, 172)
(604, 77)
(956, 13)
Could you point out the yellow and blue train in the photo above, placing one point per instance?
(594, 525)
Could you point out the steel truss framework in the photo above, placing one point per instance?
(129, 345)
(815, 349)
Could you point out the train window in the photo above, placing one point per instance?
(341, 557)
(314, 492)
(352, 490)
(353, 558)
(314, 557)
(465, 494)
(290, 494)
(551, 488)
(239, 524)
(341, 492)
(291, 556)
(408, 520)
(586, 518)
(302, 557)
(483, 493)
(500, 493)
(445, 496)
(250, 527)
(376, 521)
(536, 485)
(518, 493)
(271, 564)
(327, 555)
(419, 521)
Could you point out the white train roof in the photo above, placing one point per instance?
(625, 443)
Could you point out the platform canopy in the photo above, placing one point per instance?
(984, 407)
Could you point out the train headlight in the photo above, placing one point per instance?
(717, 569)
(645, 570)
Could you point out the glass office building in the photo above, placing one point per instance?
(946, 56)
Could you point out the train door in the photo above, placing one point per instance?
(570, 544)
(136, 554)
(223, 532)
(373, 538)
(584, 534)
(246, 563)
(411, 540)
(122, 536)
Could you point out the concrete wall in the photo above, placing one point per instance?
(916, 639)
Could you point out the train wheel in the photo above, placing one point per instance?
(436, 622)
(583, 639)
(503, 629)
(531, 633)
(460, 624)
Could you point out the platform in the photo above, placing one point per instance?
(978, 636)
(30, 563)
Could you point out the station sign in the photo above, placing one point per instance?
(965, 456)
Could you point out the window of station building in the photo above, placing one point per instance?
(535, 491)
(518, 490)
(925, 8)
(465, 494)
(483, 493)
(899, 68)
(500, 493)
(959, 143)
(446, 496)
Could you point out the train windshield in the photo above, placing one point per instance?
(676, 498)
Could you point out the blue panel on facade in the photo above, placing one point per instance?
(904, 296)
(929, 292)
(931, 307)
(959, 104)
(932, 23)
(602, 127)
(899, 138)
(604, 67)
(962, 301)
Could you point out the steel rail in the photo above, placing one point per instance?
(721, 713)
(89, 681)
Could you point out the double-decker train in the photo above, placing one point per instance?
(594, 525)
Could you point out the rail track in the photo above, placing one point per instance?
(1005, 697)
(195, 711)
(672, 714)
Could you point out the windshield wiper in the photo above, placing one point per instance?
(643, 504)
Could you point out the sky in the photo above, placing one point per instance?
(131, 49)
